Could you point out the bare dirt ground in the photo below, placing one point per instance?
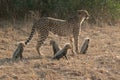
(102, 61)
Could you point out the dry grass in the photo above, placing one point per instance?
(102, 61)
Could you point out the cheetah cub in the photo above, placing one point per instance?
(62, 52)
(18, 52)
(55, 46)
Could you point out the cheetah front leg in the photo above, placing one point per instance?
(71, 43)
(75, 35)
(76, 44)
(41, 38)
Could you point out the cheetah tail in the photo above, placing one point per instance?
(31, 35)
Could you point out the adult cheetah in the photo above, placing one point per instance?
(60, 27)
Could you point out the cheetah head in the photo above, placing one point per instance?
(68, 46)
(34, 15)
(21, 43)
(83, 14)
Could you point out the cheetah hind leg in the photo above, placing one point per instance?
(37, 48)
(71, 43)
(40, 41)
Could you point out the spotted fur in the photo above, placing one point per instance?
(57, 26)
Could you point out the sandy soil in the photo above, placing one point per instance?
(102, 61)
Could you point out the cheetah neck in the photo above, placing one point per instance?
(81, 21)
